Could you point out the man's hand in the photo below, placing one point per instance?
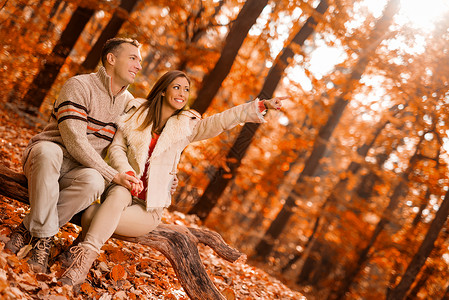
(174, 184)
(126, 180)
(275, 103)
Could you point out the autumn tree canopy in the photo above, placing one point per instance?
(341, 194)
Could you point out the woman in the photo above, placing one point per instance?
(151, 135)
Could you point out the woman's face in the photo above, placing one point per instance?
(177, 93)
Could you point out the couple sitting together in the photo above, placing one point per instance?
(94, 117)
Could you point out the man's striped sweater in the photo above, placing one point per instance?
(83, 122)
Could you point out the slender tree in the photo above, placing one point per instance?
(195, 29)
(446, 294)
(420, 257)
(426, 274)
(33, 18)
(112, 28)
(46, 35)
(50, 25)
(235, 155)
(422, 206)
(399, 192)
(365, 185)
(234, 40)
(320, 145)
(52, 65)
(339, 189)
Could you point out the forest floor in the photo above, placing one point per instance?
(124, 270)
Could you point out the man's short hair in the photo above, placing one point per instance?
(112, 45)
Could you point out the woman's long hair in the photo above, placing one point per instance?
(155, 101)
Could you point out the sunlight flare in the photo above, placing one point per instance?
(418, 14)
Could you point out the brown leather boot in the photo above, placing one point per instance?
(19, 238)
(40, 253)
(83, 260)
(66, 258)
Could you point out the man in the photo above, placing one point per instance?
(64, 164)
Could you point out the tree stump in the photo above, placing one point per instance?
(176, 242)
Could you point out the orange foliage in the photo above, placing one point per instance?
(402, 92)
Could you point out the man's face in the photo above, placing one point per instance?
(126, 64)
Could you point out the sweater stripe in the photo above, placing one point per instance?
(104, 129)
(101, 136)
(70, 110)
(98, 122)
(71, 117)
(65, 103)
(89, 120)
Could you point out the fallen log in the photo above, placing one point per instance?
(176, 242)
(13, 185)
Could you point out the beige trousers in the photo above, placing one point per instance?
(55, 196)
(118, 214)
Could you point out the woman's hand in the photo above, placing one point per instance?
(136, 188)
(126, 180)
(130, 181)
(174, 184)
(274, 103)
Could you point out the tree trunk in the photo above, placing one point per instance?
(176, 242)
(197, 32)
(52, 65)
(11, 22)
(110, 31)
(365, 187)
(446, 294)
(339, 189)
(320, 145)
(32, 17)
(353, 168)
(363, 256)
(234, 40)
(418, 260)
(147, 60)
(423, 205)
(399, 191)
(238, 150)
(429, 271)
(50, 25)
